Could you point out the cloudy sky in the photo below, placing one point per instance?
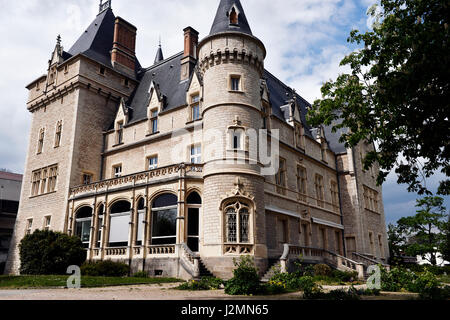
(305, 40)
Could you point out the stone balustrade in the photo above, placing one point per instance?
(137, 179)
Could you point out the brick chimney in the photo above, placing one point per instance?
(189, 59)
(123, 54)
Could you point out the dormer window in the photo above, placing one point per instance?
(154, 121)
(119, 132)
(195, 107)
(233, 16)
(102, 71)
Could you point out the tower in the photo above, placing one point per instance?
(231, 61)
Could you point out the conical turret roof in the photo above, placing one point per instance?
(230, 17)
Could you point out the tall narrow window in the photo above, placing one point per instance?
(119, 133)
(58, 134)
(117, 170)
(29, 226)
(87, 178)
(47, 222)
(371, 242)
(53, 174)
(164, 220)
(280, 177)
(152, 162)
(301, 182)
(196, 154)
(83, 223)
(334, 194)
(44, 180)
(236, 139)
(195, 107)
(237, 222)
(235, 82)
(264, 117)
(233, 16)
(154, 121)
(319, 190)
(41, 140)
(36, 183)
(380, 244)
(299, 136)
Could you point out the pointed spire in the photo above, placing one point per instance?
(230, 17)
(159, 54)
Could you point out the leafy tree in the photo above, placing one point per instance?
(50, 253)
(397, 93)
(445, 250)
(396, 240)
(425, 229)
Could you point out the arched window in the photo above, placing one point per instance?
(194, 203)
(194, 198)
(233, 16)
(237, 222)
(83, 222)
(164, 219)
(119, 222)
(140, 222)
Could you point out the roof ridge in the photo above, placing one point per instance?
(162, 62)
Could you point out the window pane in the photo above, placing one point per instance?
(231, 225)
(119, 228)
(244, 228)
(85, 235)
(140, 231)
(164, 223)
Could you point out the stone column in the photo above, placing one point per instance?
(181, 217)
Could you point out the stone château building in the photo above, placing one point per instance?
(161, 166)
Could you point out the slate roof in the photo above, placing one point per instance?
(222, 20)
(166, 75)
(97, 41)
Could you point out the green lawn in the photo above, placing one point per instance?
(15, 282)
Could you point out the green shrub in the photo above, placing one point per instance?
(345, 276)
(206, 283)
(245, 279)
(106, 268)
(141, 274)
(322, 270)
(50, 253)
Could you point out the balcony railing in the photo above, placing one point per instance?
(141, 178)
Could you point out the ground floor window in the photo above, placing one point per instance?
(83, 223)
(119, 224)
(237, 222)
(164, 220)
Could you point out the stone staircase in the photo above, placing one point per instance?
(204, 271)
(270, 270)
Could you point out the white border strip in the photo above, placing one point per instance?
(328, 223)
(282, 211)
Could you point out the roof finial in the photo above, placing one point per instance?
(58, 40)
(103, 6)
(160, 41)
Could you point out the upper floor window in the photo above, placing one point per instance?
(47, 221)
(280, 177)
(196, 154)
(29, 226)
(44, 180)
(233, 16)
(195, 107)
(152, 162)
(41, 141)
(299, 136)
(334, 194)
(154, 121)
(235, 83)
(87, 178)
(319, 190)
(301, 182)
(265, 116)
(371, 199)
(58, 134)
(119, 132)
(117, 170)
(236, 139)
(102, 71)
